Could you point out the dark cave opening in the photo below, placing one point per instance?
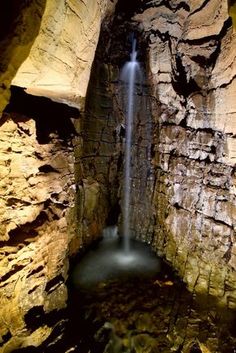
(11, 9)
(50, 117)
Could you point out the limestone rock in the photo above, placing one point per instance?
(37, 195)
(60, 60)
(192, 63)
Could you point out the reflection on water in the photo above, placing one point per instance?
(109, 261)
(135, 304)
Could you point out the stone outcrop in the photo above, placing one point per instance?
(48, 47)
(60, 60)
(192, 69)
(37, 206)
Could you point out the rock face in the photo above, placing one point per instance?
(192, 68)
(38, 213)
(19, 26)
(37, 187)
(61, 57)
(48, 47)
(101, 158)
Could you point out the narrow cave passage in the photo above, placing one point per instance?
(138, 314)
(128, 314)
(66, 284)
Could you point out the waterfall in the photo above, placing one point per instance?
(129, 77)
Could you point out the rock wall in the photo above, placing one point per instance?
(192, 76)
(40, 213)
(61, 57)
(37, 201)
(19, 26)
(98, 158)
(101, 159)
(192, 69)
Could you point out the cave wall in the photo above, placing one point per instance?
(40, 209)
(37, 211)
(101, 158)
(19, 26)
(192, 69)
(60, 60)
(48, 47)
(191, 66)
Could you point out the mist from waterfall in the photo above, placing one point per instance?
(129, 76)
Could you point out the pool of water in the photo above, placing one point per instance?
(135, 303)
(108, 260)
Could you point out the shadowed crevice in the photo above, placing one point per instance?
(51, 118)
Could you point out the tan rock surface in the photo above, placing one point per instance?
(35, 236)
(61, 57)
(37, 186)
(192, 64)
(193, 91)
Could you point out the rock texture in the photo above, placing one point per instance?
(101, 159)
(61, 57)
(157, 315)
(154, 314)
(37, 208)
(97, 155)
(192, 69)
(39, 227)
(19, 26)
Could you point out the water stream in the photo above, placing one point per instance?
(129, 75)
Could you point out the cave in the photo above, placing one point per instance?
(118, 176)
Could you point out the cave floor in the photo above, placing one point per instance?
(154, 314)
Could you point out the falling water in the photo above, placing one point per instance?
(128, 76)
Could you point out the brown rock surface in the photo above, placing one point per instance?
(192, 68)
(38, 218)
(61, 57)
(192, 64)
(37, 196)
(193, 109)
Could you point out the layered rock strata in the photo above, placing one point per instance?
(192, 69)
(60, 60)
(37, 211)
(192, 76)
(103, 134)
